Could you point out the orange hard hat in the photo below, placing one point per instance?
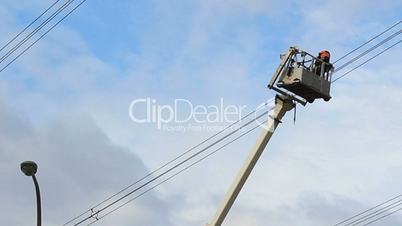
(324, 54)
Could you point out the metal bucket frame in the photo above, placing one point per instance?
(295, 58)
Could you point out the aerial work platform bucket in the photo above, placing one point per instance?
(302, 76)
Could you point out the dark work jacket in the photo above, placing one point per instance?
(317, 68)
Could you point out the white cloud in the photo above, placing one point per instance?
(78, 165)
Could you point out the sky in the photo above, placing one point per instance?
(64, 104)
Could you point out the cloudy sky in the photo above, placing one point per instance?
(64, 104)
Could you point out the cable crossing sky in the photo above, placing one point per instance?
(234, 128)
(14, 52)
(375, 213)
(366, 52)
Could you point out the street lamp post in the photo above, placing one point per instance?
(29, 168)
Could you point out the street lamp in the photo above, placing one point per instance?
(29, 168)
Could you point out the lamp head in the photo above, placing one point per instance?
(29, 168)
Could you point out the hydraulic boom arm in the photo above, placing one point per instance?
(282, 105)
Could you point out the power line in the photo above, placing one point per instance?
(382, 217)
(50, 29)
(36, 30)
(177, 173)
(95, 213)
(368, 210)
(369, 50)
(368, 214)
(368, 60)
(29, 25)
(168, 163)
(375, 213)
(367, 42)
(169, 170)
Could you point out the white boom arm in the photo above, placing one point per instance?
(282, 105)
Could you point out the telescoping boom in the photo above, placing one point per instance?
(300, 77)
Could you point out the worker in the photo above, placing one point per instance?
(324, 55)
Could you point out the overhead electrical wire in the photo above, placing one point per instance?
(36, 30)
(369, 50)
(382, 217)
(177, 173)
(377, 215)
(16, 47)
(95, 213)
(29, 25)
(368, 210)
(366, 61)
(354, 59)
(367, 42)
(169, 162)
(374, 214)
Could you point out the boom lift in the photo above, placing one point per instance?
(300, 78)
